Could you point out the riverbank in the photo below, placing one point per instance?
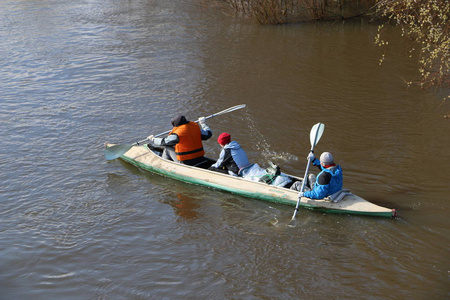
(284, 12)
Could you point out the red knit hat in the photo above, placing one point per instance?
(224, 138)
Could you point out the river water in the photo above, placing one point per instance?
(76, 74)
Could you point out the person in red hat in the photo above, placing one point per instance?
(232, 158)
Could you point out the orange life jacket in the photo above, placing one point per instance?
(190, 144)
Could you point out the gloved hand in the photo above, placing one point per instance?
(301, 194)
(151, 138)
(202, 120)
(311, 156)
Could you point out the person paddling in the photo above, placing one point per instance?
(184, 143)
(327, 182)
(232, 158)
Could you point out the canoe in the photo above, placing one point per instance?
(146, 157)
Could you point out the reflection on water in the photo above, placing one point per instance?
(185, 207)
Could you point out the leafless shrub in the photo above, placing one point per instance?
(426, 24)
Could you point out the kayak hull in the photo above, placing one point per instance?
(146, 159)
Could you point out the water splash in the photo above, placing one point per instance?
(267, 154)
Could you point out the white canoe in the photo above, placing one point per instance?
(144, 158)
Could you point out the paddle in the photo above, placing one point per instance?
(314, 137)
(117, 151)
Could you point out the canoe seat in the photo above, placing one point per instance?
(338, 196)
(157, 150)
(205, 164)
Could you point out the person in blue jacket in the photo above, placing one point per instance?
(328, 181)
(232, 158)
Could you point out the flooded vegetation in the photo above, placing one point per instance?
(425, 24)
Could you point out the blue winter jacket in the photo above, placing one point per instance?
(328, 182)
(232, 157)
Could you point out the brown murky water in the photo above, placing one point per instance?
(74, 226)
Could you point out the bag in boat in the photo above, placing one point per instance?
(271, 175)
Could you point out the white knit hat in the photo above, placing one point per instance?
(327, 158)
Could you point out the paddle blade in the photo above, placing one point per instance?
(316, 134)
(116, 151)
(293, 222)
